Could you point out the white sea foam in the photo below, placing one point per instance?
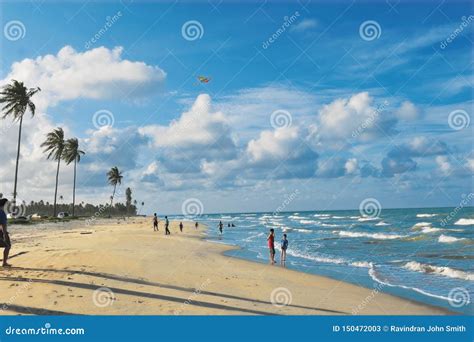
(308, 222)
(426, 215)
(338, 217)
(362, 264)
(449, 239)
(382, 223)
(430, 230)
(321, 215)
(464, 222)
(439, 270)
(421, 224)
(378, 236)
(363, 219)
(295, 217)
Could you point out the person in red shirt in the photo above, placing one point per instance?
(271, 245)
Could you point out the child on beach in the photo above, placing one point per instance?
(155, 223)
(271, 245)
(284, 246)
(4, 237)
(167, 224)
(181, 226)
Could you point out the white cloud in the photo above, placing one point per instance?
(407, 111)
(95, 74)
(305, 25)
(443, 164)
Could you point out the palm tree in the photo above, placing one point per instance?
(73, 153)
(17, 99)
(54, 146)
(114, 177)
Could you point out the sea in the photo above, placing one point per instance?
(424, 255)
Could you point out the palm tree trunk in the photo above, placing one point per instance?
(17, 161)
(74, 188)
(56, 188)
(112, 200)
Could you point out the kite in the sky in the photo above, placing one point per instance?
(204, 79)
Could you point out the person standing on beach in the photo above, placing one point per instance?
(221, 225)
(196, 225)
(284, 247)
(4, 237)
(167, 224)
(181, 226)
(271, 245)
(155, 223)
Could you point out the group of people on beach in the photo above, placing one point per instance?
(167, 225)
(271, 247)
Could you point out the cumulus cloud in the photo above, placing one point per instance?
(94, 74)
(407, 111)
(305, 25)
(353, 118)
(336, 167)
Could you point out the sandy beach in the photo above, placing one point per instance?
(124, 268)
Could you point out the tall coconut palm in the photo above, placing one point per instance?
(114, 177)
(17, 99)
(72, 153)
(54, 146)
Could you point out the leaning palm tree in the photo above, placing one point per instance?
(17, 99)
(72, 153)
(54, 146)
(114, 177)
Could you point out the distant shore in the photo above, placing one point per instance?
(123, 267)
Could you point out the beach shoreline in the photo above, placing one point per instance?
(122, 267)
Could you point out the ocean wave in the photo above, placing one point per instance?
(421, 224)
(317, 258)
(378, 236)
(295, 217)
(426, 215)
(464, 222)
(321, 215)
(308, 222)
(363, 219)
(382, 223)
(449, 239)
(339, 217)
(374, 276)
(365, 264)
(439, 270)
(330, 225)
(427, 230)
(253, 237)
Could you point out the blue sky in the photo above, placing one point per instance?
(363, 116)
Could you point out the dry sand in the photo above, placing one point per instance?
(125, 268)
